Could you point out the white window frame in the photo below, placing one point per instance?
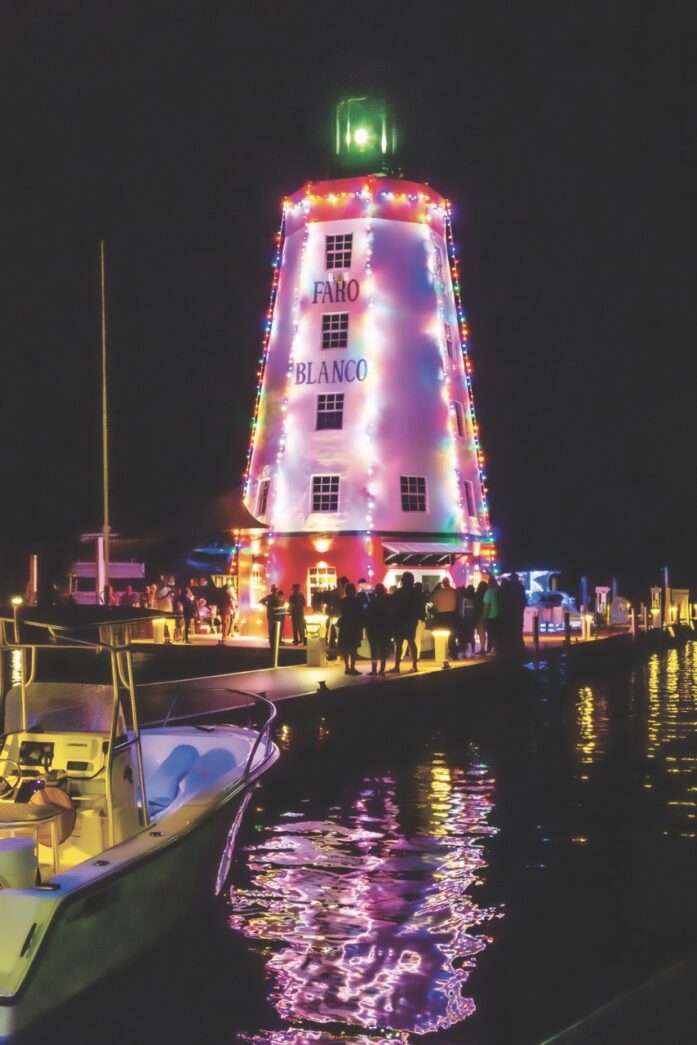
(449, 343)
(333, 329)
(257, 583)
(320, 577)
(438, 261)
(324, 476)
(338, 408)
(263, 497)
(413, 492)
(460, 422)
(468, 490)
(338, 244)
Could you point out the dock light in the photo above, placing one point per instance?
(315, 625)
(16, 601)
(440, 642)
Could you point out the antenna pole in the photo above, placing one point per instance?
(105, 431)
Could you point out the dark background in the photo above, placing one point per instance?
(564, 136)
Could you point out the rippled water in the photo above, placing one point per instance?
(481, 867)
(376, 927)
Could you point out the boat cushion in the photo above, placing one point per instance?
(214, 764)
(163, 786)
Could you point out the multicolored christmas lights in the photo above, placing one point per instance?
(439, 286)
(370, 418)
(276, 490)
(464, 342)
(268, 324)
(379, 214)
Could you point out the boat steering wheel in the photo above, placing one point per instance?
(10, 776)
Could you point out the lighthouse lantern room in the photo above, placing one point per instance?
(365, 458)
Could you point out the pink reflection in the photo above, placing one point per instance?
(303, 1036)
(369, 927)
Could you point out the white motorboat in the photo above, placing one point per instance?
(109, 832)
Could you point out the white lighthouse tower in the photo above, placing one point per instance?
(365, 457)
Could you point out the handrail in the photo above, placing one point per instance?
(264, 730)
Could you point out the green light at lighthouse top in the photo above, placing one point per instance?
(365, 135)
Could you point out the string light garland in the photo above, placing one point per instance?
(281, 418)
(464, 342)
(439, 286)
(370, 419)
(261, 366)
(276, 486)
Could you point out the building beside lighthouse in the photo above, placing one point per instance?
(365, 458)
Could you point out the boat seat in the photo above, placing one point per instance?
(208, 768)
(163, 786)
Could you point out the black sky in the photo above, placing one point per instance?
(564, 135)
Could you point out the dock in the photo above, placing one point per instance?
(205, 679)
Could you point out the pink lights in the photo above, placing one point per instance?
(365, 385)
(371, 929)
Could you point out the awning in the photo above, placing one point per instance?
(423, 553)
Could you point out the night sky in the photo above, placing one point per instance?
(564, 136)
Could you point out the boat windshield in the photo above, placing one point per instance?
(63, 707)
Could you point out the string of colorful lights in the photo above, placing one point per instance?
(439, 286)
(268, 325)
(464, 342)
(370, 420)
(277, 488)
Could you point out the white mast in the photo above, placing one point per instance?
(105, 433)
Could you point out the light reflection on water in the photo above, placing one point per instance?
(592, 725)
(15, 667)
(670, 680)
(365, 926)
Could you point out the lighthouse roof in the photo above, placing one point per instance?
(362, 196)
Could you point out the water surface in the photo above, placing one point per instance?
(463, 867)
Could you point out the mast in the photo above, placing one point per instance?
(105, 431)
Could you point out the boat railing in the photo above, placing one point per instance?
(252, 702)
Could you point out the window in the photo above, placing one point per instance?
(438, 262)
(263, 496)
(335, 330)
(258, 583)
(325, 493)
(469, 497)
(413, 488)
(338, 251)
(330, 411)
(320, 578)
(449, 340)
(460, 419)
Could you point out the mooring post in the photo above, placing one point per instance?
(276, 640)
(584, 593)
(632, 622)
(536, 632)
(567, 628)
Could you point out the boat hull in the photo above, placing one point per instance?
(98, 927)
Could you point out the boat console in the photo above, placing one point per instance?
(69, 770)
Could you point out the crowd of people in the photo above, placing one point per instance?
(203, 607)
(479, 621)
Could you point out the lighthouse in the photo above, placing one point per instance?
(365, 457)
